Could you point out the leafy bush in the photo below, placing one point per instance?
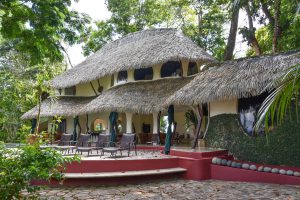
(18, 167)
(282, 147)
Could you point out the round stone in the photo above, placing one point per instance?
(289, 172)
(219, 160)
(282, 171)
(239, 165)
(214, 160)
(296, 173)
(229, 163)
(260, 168)
(275, 171)
(267, 169)
(223, 162)
(233, 164)
(252, 167)
(245, 166)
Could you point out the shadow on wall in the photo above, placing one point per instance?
(226, 132)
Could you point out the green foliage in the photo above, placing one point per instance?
(163, 124)
(134, 15)
(18, 167)
(289, 24)
(191, 120)
(226, 132)
(280, 101)
(98, 38)
(18, 90)
(206, 26)
(37, 28)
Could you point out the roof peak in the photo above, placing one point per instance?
(139, 35)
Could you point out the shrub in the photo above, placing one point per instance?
(18, 167)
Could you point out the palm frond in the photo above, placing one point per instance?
(280, 101)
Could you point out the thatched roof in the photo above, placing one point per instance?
(136, 50)
(137, 97)
(63, 106)
(235, 79)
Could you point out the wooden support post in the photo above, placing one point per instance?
(158, 127)
(200, 112)
(93, 88)
(87, 123)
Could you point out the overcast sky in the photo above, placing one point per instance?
(97, 10)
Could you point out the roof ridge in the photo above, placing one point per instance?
(136, 36)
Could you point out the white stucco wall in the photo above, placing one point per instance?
(70, 125)
(223, 107)
(130, 75)
(185, 66)
(156, 71)
(87, 90)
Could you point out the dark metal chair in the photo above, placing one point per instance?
(102, 141)
(128, 142)
(83, 144)
(65, 143)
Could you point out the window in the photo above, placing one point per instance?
(248, 108)
(143, 74)
(171, 68)
(70, 91)
(99, 125)
(122, 77)
(192, 69)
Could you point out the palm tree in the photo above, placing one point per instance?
(281, 100)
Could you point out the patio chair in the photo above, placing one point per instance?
(65, 143)
(102, 141)
(127, 143)
(83, 144)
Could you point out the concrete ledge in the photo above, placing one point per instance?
(125, 173)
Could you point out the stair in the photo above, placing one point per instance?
(125, 173)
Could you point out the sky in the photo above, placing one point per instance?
(97, 10)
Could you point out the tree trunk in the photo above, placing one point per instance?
(276, 33)
(200, 112)
(265, 9)
(250, 36)
(228, 54)
(39, 113)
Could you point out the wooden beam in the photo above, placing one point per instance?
(93, 88)
(200, 112)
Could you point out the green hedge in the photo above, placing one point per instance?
(283, 148)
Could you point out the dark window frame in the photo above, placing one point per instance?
(166, 70)
(143, 73)
(190, 70)
(121, 79)
(71, 91)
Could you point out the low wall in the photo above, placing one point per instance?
(282, 148)
(225, 173)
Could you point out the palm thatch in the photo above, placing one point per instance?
(136, 50)
(235, 79)
(63, 106)
(136, 97)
